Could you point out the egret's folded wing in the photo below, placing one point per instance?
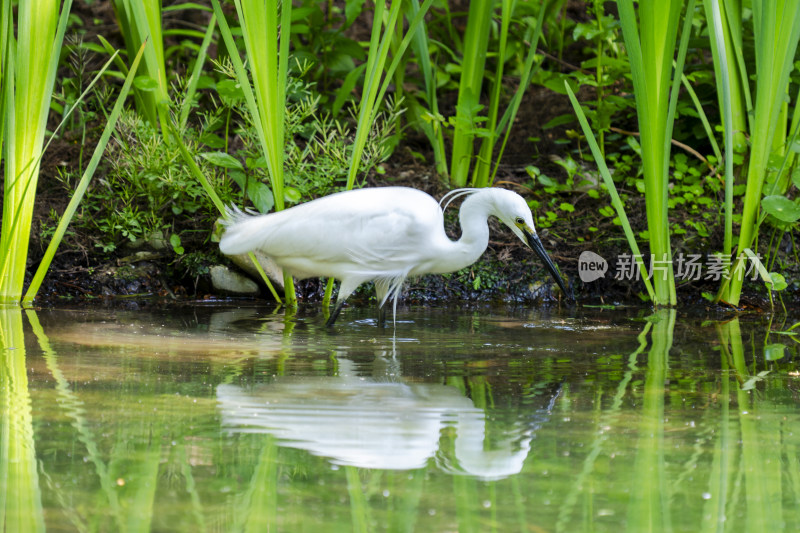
(386, 231)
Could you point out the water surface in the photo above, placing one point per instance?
(220, 418)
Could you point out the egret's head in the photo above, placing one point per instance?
(514, 212)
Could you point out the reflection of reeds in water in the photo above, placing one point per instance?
(724, 453)
(742, 451)
(650, 504)
(130, 477)
(256, 507)
(139, 456)
(762, 445)
(75, 410)
(607, 422)
(20, 497)
(131, 471)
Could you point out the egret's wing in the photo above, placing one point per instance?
(393, 240)
(370, 230)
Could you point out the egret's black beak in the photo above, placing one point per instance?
(536, 245)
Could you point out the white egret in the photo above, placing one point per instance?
(380, 234)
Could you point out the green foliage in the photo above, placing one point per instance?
(320, 39)
(264, 84)
(781, 208)
(776, 32)
(651, 40)
(140, 22)
(606, 64)
(146, 190)
(299, 107)
(319, 153)
(318, 148)
(616, 202)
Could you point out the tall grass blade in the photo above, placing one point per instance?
(651, 46)
(191, 87)
(368, 109)
(140, 22)
(29, 76)
(698, 107)
(476, 42)
(259, 24)
(483, 164)
(268, 63)
(4, 259)
(525, 80)
(777, 31)
(430, 127)
(616, 203)
(376, 61)
(483, 174)
(83, 184)
(724, 25)
(726, 96)
(6, 44)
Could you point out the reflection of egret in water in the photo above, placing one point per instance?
(377, 424)
(508, 449)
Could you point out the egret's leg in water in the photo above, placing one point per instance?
(346, 288)
(336, 310)
(381, 290)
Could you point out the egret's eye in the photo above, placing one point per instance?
(519, 220)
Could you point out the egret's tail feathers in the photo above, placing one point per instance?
(390, 287)
(243, 232)
(233, 215)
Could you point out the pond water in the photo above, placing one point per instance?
(225, 418)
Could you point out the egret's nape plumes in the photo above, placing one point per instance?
(383, 235)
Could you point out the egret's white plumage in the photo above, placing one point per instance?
(381, 234)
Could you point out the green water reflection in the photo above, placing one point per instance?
(225, 419)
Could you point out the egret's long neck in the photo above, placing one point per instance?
(474, 233)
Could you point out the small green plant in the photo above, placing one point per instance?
(147, 191)
(603, 70)
(67, 96)
(318, 164)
